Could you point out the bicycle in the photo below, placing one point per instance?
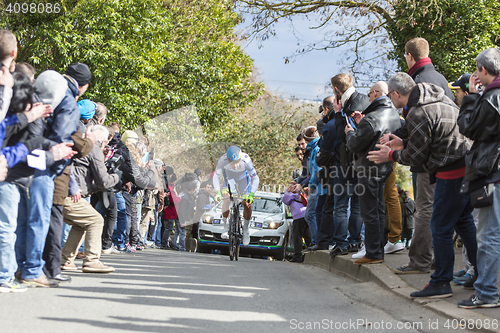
(235, 228)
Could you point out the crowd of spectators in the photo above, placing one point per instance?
(450, 140)
(74, 188)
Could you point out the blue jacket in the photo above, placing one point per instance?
(11, 124)
(330, 140)
(314, 184)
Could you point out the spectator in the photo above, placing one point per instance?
(300, 227)
(460, 87)
(299, 153)
(347, 100)
(185, 212)
(435, 143)
(421, 70)
(169, 215)
(203, 200)
(479, 120)
(91, 175)
(379, 118)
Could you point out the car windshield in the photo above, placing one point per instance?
(265, 205)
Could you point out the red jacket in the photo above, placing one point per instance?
(169, 212)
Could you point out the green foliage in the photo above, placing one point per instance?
(146, 57)
(457, 31)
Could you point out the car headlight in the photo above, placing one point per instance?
(272, 224)
(208, 219)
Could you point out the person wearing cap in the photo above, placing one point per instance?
(87, 111)
(460, 87)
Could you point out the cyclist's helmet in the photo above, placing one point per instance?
(233, 154)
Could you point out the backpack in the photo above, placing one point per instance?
(302, 198)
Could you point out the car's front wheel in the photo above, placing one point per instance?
(282, 253)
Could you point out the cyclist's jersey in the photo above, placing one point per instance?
(244, 175)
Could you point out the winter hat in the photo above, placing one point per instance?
(169, 170)
(310, 133)
(129, 135)
(87, 108)
(158, 163)
(197, 171)
(51, 87)
(80, 72)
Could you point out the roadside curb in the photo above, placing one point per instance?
(384, 276)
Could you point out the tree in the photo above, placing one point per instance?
(147, 57)
(378, 29)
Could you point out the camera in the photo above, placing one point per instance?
(113, 163)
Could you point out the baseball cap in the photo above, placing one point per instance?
(462, 82)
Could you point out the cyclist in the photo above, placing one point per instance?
(240, 174)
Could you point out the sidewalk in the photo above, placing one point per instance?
(404, 284)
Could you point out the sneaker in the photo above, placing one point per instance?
(441, 290)
(354, 247)
(138, 248)
(111, 250)
(13, 286)
(97, 267)
(246, 236)
(462, 279)
(41, 281)
(295, 259)
(360, 254)
(406, 269)
(62, 278)
(316, 248)
(469, 284)
(337, 251)
(475, 302)
(365, 261)
(460, 273)
(129, 249)
(393, 247)
(69, 266)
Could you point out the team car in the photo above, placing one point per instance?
(270, 228)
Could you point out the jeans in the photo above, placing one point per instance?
(9, 203)
(33, 224)
(451, 210)
(310, 216)
(180, 236)
(120, 233)
(345, 194)
(326, 227)
(488, 250)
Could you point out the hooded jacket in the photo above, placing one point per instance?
(314, 182)
(380, 118)
(479, 120)
(434, 140)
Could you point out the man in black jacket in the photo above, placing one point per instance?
(378, 119)
(479, 120)
(347, 101)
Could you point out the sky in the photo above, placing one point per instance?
(306, 76)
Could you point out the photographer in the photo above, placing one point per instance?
(92, 176)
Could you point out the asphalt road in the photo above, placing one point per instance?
(166, 291)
